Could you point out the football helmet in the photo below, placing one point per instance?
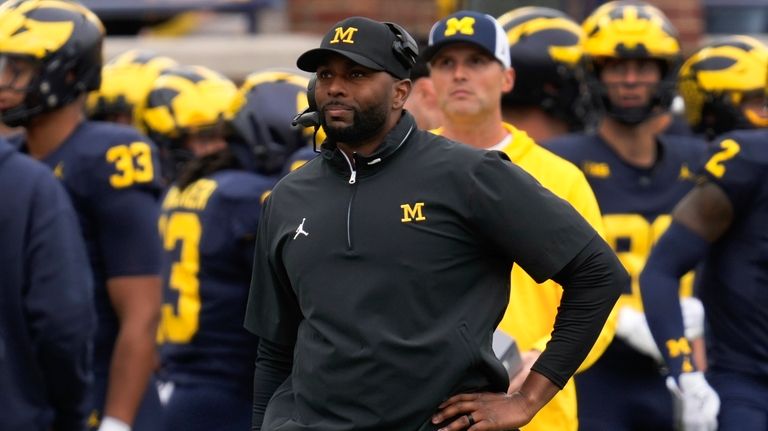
(630, 30)
(186, 100)
(545, 49)
(125, 83)
(716, 79)
(63, 41)
(261, 117)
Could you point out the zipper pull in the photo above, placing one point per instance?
(351, 162)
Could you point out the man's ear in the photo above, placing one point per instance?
(401, 90)
(508, 81)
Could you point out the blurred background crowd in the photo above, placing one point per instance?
(271, 33)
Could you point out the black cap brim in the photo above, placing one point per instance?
(309, 60)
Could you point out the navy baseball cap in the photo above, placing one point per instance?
(365, 41)
(471, 27)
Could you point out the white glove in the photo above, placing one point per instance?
(696, 403)
(693, 317)
(108, 423)
(633, 329)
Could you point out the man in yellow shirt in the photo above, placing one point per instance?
(469, 62)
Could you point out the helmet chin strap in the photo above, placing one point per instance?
(38, 99)
(20, 115)
(656, 106)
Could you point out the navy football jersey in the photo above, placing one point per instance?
(208, 232)
(636, 203)
(112, 175)
(734, 279)
(624, 388)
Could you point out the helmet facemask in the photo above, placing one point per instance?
(630, 30)
(661, 92)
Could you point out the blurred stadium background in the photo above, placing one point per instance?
(239, 36)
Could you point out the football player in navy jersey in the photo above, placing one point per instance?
(208, 223)
(631, 56)
(722, 223)
(50, 52)
(125, 84)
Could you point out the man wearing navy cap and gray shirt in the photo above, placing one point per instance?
(382, 267)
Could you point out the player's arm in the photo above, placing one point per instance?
(136, 301)
(59, 303)
(699, 219)
(127, 212)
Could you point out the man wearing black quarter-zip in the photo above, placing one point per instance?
(382, 267)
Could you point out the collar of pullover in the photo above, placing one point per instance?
(361, 165)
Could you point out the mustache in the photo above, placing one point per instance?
(335, 104)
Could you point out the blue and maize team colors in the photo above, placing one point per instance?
(636, 204)
(208, 231)
(111, 173)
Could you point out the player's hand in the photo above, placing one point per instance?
(633, 329)
(484, 412)
(528, 359)
(693, 317)
(696, 403)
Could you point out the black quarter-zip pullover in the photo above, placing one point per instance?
(389, 274)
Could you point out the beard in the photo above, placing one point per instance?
(365, 125)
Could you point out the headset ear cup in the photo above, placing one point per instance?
(309, 117)
(404, 46)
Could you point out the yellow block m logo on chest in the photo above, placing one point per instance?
(413, 213)
(465, 25)
(343, 35)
